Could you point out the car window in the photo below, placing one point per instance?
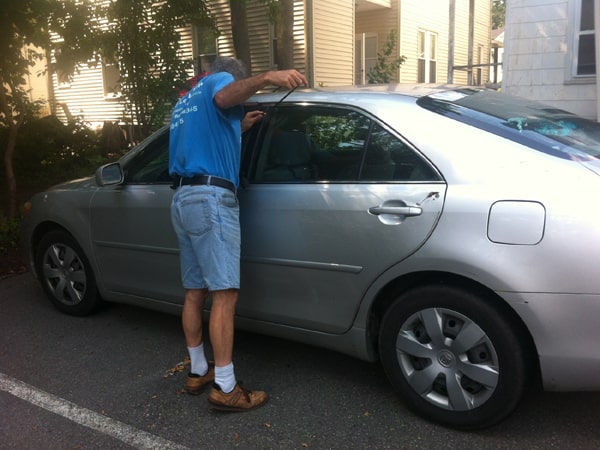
(539, 126)
(150, 164)
(390, 159)
(307, 143)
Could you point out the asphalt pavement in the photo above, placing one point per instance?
(114, 380)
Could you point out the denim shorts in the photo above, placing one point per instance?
(206, 221)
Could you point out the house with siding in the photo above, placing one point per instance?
(335, 43)
(551, 49)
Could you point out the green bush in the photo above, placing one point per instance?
(49, 152)
(9, 233)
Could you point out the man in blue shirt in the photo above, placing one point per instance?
(205, 148)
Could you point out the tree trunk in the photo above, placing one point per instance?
(11, 181)
(239, 31)
(285, 35)
(13, 125)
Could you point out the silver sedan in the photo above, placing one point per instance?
(452, 235)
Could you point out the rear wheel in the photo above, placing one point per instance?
(454, 357)
(66, 275)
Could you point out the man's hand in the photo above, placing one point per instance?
(287, 78)
(239, 91)
(251, 118)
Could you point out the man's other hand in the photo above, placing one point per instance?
(250, 119)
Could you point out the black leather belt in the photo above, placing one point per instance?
(204, 180)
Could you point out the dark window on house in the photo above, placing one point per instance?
(63, 78)
(479, 70)
(274, 45)
(206, 48)
(110, 79)
(586, 48)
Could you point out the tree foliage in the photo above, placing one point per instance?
(26, 27)
(498, 13)
(142, 37)
(385, 68)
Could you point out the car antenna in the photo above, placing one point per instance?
(280, 101)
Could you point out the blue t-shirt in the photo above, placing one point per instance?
(204, 139)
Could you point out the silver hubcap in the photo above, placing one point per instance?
(447, 359)
(64, 274)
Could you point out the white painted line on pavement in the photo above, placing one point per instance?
(83, 416)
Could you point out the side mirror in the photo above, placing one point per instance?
(109, 174)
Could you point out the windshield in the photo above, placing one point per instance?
(541, 127)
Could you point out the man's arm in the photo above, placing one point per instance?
(239, 91)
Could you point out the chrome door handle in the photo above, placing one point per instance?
(396, 210)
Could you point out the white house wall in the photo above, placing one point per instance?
(259, 37)
(426, 15)
(411, 16)
(481, 40)
(300, 26)
(84, 98)
(332, 52)
(482, 37)
(186, 49)
(536, 58)
(219, 10)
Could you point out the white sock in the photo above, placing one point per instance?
(225, 378)
(198, 363)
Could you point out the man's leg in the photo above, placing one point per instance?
(228, 395)
(191, 318)
(221, 328)
(200, 372)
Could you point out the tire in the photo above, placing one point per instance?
(453, 357)
(66, 275)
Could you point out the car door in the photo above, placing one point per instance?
(135, 245)
(333, 199)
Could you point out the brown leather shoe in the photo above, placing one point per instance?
(238, 400)
(195, 384)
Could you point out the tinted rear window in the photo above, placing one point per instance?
(541, 127)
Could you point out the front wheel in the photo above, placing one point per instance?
(66, 275)
(453, 356)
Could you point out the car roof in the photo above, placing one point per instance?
(355, 93)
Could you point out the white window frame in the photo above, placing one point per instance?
(198, 53)
(363, 61)
(574, 33)
(273, 56)
(426, 55)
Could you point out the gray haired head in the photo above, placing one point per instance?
(230, 65)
